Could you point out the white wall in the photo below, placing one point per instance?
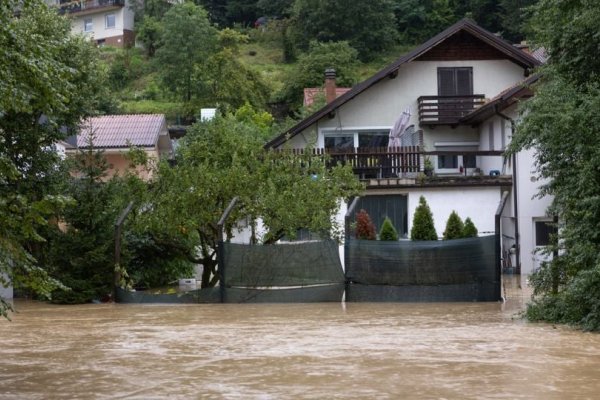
(500, 139)
(530, 209)
(480, 204)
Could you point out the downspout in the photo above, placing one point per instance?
(515, 202)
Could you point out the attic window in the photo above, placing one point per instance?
(455, 81)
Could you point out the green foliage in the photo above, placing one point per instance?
(311, 66)
(44, 71)
(365, 228)
(418, 20)
(388, 232)
(225, 158)
(369, 27)
(422, 226)
(149, 32)
(562, 124)
(126, 66)
(454, 227)
(469, 230)
(188, 40)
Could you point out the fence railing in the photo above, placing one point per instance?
(82, 5)
(373, 162)
(447, 110)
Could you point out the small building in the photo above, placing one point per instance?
(106, 22)
(116, 134)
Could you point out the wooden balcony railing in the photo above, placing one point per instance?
(374, 162)
(84, 5)
(447, 110)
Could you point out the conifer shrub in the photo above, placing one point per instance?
(388, 232)
(469, 230)
(365, 229)
(454, 227)
(423, 227)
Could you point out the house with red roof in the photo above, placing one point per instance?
(459, 93)
(114, 135)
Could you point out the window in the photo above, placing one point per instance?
(447, 162)
(87, 25)
(491, 135)
(469, 161)
(373, 139)
(109, 21)
(544, 230)
(457, 81)
(339, 142)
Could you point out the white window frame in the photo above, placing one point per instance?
(90, 25)
(355, 131)
(114, 16)
(459, 162)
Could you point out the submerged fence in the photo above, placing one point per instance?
(452, 270)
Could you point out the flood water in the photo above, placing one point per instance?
(274, 351)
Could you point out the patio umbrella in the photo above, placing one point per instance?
(399, 127)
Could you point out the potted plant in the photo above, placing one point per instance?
(428, 167)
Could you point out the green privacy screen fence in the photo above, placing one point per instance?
(452, 270)
(287, 272)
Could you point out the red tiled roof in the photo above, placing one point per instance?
(311, 93)
(114, 131)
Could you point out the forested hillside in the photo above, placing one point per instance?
(225, 53)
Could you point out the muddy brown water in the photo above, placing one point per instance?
(282, 351)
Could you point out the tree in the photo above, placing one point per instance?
(228, 82)
(388, 231)
(149, 32)
(365, 229)
(188, 39)
(419, 20)
(224, 158)
(369, 27)
(454, 227)
(311, 66)
(49, 80)
(469, 230)
(562, 124)
(423, 227)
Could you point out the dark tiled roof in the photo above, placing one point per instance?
(517, 56)
(118, 131)
(501, 101)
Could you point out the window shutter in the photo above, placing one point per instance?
(446, 82)
(464, 81)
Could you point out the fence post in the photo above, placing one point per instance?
(220, 245)
(117, 269)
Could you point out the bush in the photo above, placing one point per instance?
(469, 230)
(454, 227)
(423, 227)
(388, 232)
(365, 229)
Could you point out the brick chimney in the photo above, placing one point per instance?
(524, 46)
(330, 87)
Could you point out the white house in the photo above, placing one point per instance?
(462, 87)
(107, 22)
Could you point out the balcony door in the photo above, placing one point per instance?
(455, 81)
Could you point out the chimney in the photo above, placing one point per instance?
(523, 46)
(330, 88)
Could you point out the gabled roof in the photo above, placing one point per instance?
(121, 131)
(503, 100)
(465, 25)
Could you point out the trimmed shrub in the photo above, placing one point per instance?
(454, 227)
(388, 231)
(423, 227)
(469, 230)
(365, 229)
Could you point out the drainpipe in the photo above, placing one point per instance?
(515, 202)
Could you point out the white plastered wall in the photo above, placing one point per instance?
(123, 21)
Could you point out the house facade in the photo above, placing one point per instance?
(106, 22)
(114, 135)
(461, 88)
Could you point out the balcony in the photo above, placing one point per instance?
(381, 167)
(447, 110)
(88, 6)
